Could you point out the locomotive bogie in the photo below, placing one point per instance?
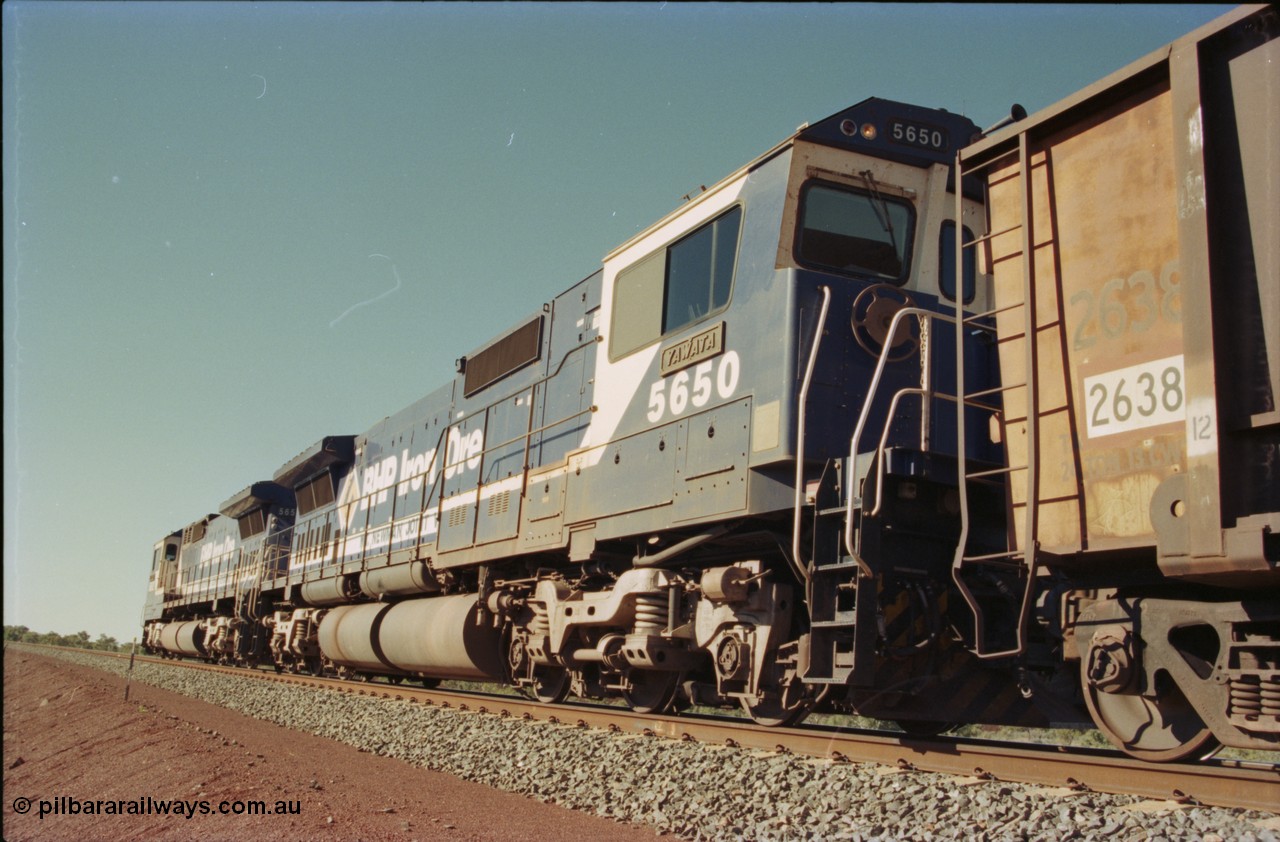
(719, 633)
(1220, 661)
(742, 635)
(294, 642)
(219, 637)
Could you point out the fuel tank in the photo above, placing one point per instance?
(433, 636)
(183, 638)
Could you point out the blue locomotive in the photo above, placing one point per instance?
(752, 461)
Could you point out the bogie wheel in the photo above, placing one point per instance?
(650, 691)
(778, 708)
(924, 727)
(1163, 729)
(551, 684)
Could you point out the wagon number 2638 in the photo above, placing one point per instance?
(1143, 395)
(1109, 314)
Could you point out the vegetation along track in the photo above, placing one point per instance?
(1223, 783)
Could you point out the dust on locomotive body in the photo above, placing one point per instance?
(822, 439)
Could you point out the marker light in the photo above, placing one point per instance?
(848, 128)
(868, 131)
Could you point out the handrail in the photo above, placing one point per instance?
(872, 388)
(442, 457)
(800, 430)
(531, 433)
(924, 391)
(1030, 547)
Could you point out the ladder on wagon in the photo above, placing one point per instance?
(1011, 318)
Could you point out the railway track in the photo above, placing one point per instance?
(1221, 783)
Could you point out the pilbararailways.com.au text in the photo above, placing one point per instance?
(65, 805)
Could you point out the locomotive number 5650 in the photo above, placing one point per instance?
(694, 387)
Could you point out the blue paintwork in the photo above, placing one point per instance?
(403, 497)
(881, 113)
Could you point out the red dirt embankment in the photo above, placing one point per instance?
(71, 740)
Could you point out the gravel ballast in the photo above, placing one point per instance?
(698, 791)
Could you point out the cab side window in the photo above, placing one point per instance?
(947, 263)
(675, 286)
(700, 272)
(253, 523)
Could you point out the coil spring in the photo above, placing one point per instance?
(651, 612)
(541, 622)
(1251, 696)
(303, 634)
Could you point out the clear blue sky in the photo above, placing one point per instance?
(231, 229)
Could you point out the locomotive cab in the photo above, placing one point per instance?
(164, 566)
(162, 583)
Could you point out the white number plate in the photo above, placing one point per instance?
(1145, 395)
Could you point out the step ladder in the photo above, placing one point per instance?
(843, 585)
(266, 558)
(838, 599)
(1022, 558)
(841, 600)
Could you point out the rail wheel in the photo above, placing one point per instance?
(776, 708)
(650, 691)
(924, 727)
(551, 684)
(1161, 729)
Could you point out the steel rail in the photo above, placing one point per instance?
(1219, 783)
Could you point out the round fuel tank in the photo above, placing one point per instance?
(438, 636)
(183, 638)
(348, 636)
(433, 636)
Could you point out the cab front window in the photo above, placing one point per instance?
(855, 232)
